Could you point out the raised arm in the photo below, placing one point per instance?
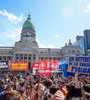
(76, 81)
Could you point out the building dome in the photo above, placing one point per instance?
(28, 24)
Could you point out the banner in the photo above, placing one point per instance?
(4, 65)
(54, 65)
(19, 66)
(35, 68)
(48, 66)
(80, 64)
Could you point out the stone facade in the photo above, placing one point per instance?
(70, 51)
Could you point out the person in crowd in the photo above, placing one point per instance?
(10, 95)
(62, 86)
(24, 86)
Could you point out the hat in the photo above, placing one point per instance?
(48, 83)
(61, 81)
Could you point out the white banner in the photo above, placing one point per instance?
(3, 65)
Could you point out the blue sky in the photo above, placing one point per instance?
(56, 21)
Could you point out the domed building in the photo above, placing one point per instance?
(27, 48)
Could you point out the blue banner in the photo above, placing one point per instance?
(80, 64)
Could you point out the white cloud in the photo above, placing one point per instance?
(42, 46)
(51, 46)
(67, 12)
(14, 34)
(11, 17)
(38, 41)
(48, 46)
(87, 9)
(2, 45)
(57, 36)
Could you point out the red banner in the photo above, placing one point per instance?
(47, 66)
(19, 66)
(35, 65)
(42, 65)
(47, 74)
(54, 64)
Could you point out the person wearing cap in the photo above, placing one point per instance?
(48, 83)
(61, 85)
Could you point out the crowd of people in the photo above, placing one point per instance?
(25, 86)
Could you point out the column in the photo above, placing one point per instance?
(23, 57)
(1, 58)
(31, 60)
(37, 58)
(18, 57)
(27, 57)
(31, 57)
(13, 58)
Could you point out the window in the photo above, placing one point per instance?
(41, 58)
(29, 58)
(50, 58)
(78, 51)
(69, 51)
(21, 57)
(46, 58)
(9, 58)
(57, 52)
(5, 51)
(73, 51)
(10, 51)
(54, 58)
(25, 57)
(4, 58)
(57, 58)
(33, 58)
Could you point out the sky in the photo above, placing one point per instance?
(56, 21)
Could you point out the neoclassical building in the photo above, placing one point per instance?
(27, 48)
